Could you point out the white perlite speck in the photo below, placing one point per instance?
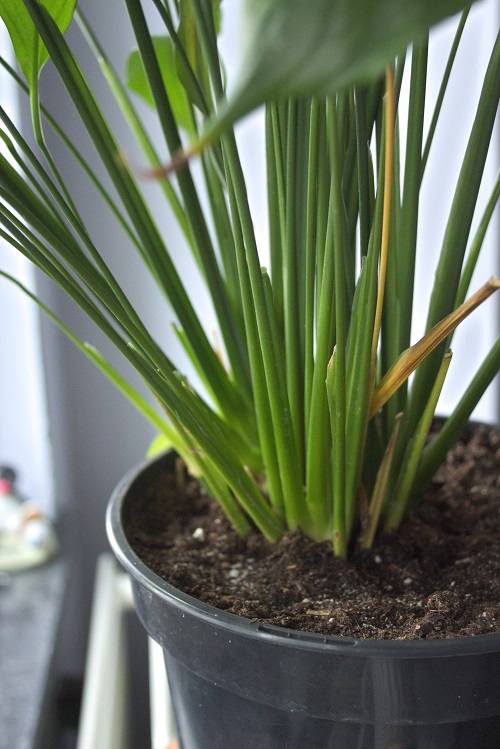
(199, 534)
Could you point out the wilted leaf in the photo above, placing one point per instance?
(409, 360)
(30, 51)
(380, 488)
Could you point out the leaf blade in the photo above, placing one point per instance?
(137, 80)
(317, 47)
(30, 51)
(413, 356)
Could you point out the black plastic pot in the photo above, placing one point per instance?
(238, 685)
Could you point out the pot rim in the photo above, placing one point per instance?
(140, 573)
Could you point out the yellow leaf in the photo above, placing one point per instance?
(413, 356)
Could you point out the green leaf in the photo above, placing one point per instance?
(317, 47)
(158, 444)
(137, 80)
(30, 51)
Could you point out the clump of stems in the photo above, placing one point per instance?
(307, 420)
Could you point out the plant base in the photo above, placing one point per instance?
(241, 684)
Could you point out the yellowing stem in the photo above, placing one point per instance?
(386, 216)
(413, 356)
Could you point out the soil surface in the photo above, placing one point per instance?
(438, 576)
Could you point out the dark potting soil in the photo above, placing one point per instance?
(438, 576)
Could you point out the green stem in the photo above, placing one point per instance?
(249, 266)
(310, 267)
(407, 239)
(363, 172)
(277, 203)
(138, 129)
(413, 453)
(293, 363)
(435, 452)
(153, 244)
(204, 247)
(442, 89)
(447, 277)
(342, 531)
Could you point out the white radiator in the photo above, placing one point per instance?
(104, 717)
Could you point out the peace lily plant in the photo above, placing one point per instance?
(307, 419)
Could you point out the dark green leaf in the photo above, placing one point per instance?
(317, 47)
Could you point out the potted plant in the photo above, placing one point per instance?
(307, 423)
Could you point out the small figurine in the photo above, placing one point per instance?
(27, 537)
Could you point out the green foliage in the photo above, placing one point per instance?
(189, 39)
(318, 47)
(137, 80)
(30, 51)
(307, 419)
(158, 445)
